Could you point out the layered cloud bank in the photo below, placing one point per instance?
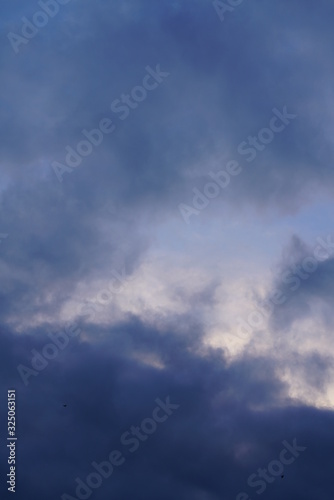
(167, 248)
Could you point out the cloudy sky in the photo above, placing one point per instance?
(167, 248)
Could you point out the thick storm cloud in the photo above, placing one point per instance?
(166, 250)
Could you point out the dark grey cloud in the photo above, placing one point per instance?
(302, 281)
(224, 80)
(222, 88)
(219, 435)
(56, 243)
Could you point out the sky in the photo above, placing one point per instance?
(167, 249)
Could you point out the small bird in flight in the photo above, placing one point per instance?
(64, 406)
